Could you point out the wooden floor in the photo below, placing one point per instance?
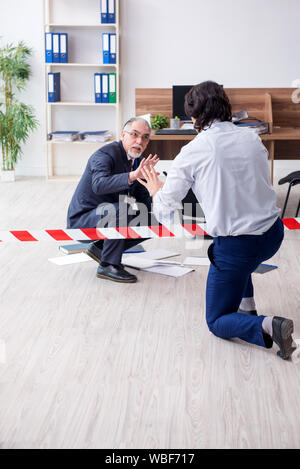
(87, 363)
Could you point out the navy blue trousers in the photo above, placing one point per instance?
(233, 259)
(119, 214)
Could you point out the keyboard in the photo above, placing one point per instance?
(176, 132)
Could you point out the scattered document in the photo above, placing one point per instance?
(73, 248)
(196, 261)
(263, 268)
(170, 270)
(138, 262)
(74, 259)
(156, 262)
(158, 254)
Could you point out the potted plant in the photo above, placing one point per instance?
(17, 119)
(159, 122)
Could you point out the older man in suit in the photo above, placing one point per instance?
(109, 193)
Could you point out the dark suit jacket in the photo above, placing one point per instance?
(105, 178)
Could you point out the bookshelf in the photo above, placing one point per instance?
(77, 110)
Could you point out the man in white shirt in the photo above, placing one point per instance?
(227, 169)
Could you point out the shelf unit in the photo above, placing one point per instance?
(87, 70)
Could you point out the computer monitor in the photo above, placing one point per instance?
(179, 92)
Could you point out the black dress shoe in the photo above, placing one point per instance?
(115, 273)
(282, 336)
(94, 251)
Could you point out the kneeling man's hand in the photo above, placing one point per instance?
(151, 181)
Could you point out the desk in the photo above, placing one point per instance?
(273, 105)
(283, 134)
(168, 146)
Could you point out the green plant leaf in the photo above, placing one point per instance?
(17, 120)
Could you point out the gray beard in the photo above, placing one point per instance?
(134, 156)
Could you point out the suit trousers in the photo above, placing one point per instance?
(233, 259)
(117, 215)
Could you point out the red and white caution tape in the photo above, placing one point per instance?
(178, 231)
(103, 233)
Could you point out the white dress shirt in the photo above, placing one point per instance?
(227, 169)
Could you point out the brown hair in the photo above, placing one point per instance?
(207, 102)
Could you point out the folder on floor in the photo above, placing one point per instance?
(104, 88)
(55, 42)
(63, 47)
(97, 87)
(112, 48)
(104, 13)
(111, 11)
(112, 88)
(105, 47)
(53, 87)
(48, 48)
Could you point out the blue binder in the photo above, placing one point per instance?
(48, 48)
(53, 87)
(55, 44)
(97, 87)
(104, 13)
(111, 11)
(104, 88)
(63, 47)
(105, 47)
(112, 48)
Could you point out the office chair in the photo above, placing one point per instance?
(293, 179)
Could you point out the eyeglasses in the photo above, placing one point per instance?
(136, 135)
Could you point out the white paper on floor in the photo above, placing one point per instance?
(196, 261)
(74, 259)
(170, 270)
(296, 353)
(157, 254)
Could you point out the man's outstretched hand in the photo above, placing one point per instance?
(151, 181)
(151, 161)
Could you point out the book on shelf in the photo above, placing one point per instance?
(63, 135)
(98, 136)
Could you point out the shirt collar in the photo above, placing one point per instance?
(213, 124)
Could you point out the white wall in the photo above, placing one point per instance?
(164, 42)
(238, 43)
(22, 20)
